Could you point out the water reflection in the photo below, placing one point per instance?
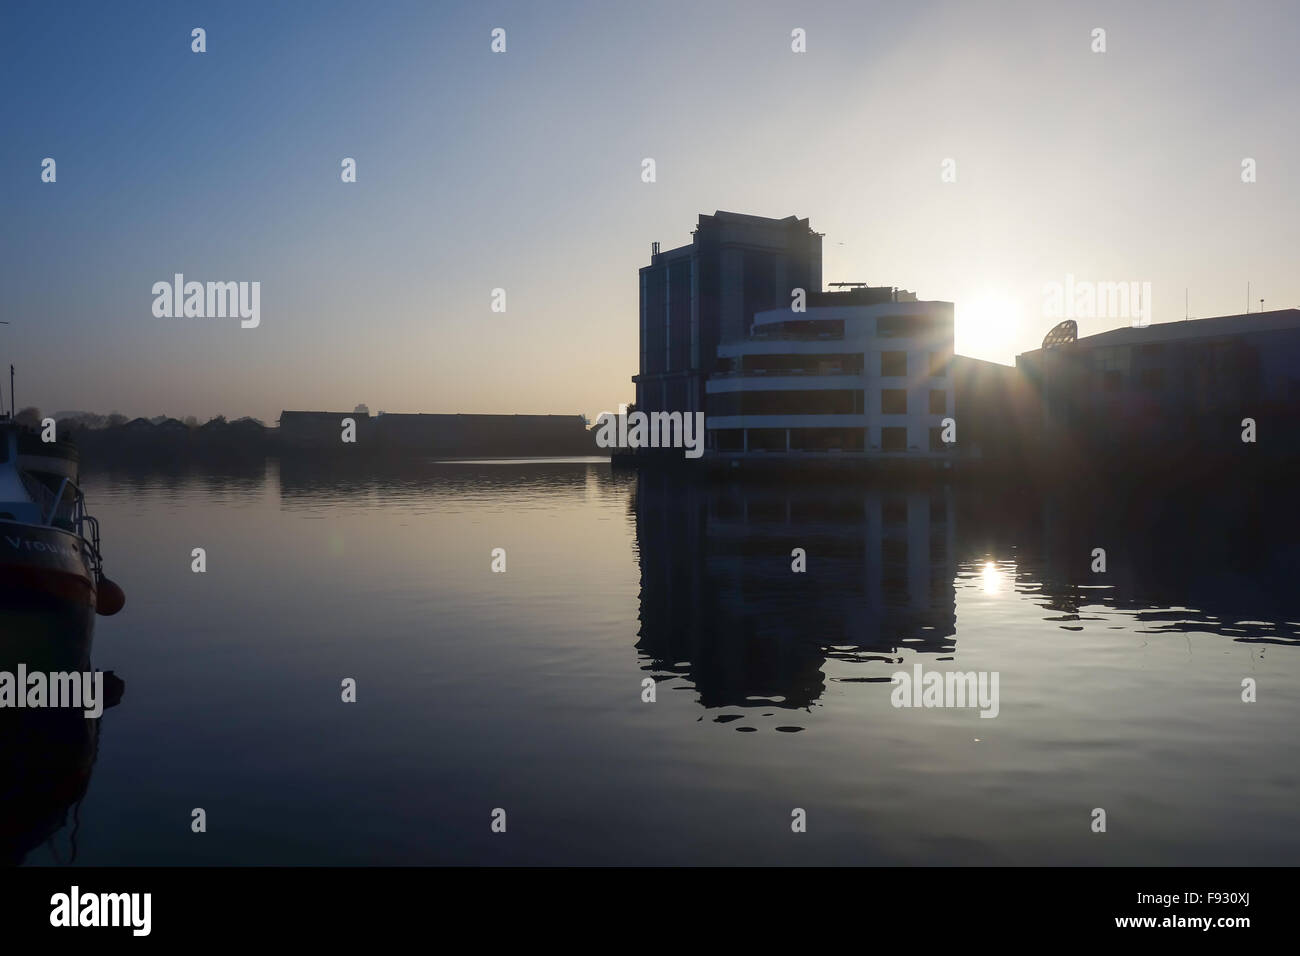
(46, 755)
(523, 689)
(1217, 560)
(722, 606)
(311, 485)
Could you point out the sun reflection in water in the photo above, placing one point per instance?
(992, 578)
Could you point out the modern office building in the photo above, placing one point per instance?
(1177, 388)
(696, 295)
(870, 373)
(862, 373)
(997, 413)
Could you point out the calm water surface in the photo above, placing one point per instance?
(523, 690)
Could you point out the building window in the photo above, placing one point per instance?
(893, 439)
(891, 326)
(729, 439)
(893, 512)
(829, 401)
(801, 329)
(767, 439)
(893, 364)
(849, 363)
(898, 326)
(938, 401)
(826, 439)
(939, 364)
(1152, 379)
(893, 401)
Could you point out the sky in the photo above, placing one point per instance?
(522, 170)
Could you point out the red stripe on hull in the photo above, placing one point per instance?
(18, 580)
(39, 561)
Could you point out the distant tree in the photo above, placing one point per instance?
(157, 419)
(80, 420)
(117, 420)
(217, 420)
(361, 410)
(30, 416)
(190, 421)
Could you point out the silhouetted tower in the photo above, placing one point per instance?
(697, 295)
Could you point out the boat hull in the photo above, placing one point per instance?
(43, 566)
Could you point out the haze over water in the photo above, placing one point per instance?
(523, 691)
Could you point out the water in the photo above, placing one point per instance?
(523, 691)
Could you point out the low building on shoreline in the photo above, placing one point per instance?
(436, 436)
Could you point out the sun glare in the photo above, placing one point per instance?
(992, 578)
(987, 325)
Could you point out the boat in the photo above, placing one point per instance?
(49, 544)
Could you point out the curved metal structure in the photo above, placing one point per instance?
(1063, 333)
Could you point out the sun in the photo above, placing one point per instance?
(988, 325)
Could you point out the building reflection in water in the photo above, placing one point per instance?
(1216, 559)
(721, 605)
(309, 485)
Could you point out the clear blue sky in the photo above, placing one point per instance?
(522, 171)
